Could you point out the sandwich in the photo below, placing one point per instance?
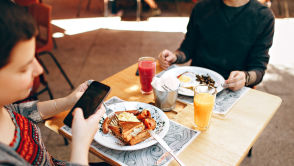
(128, 128)
(130, 133)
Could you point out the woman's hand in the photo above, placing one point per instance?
(236, 80)
(83, 131)
(78, 92)
(50, 108)
(166, 58)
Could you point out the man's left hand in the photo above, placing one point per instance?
(236, 80)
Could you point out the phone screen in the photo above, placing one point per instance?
(90, 100)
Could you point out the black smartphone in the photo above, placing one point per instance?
(89, 101)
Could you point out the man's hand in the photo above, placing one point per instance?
(83, 131)
(166, 58)
(236, 80)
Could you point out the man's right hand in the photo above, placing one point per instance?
(166, 58)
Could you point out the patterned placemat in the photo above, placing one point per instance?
(178, 137)
(224, 99)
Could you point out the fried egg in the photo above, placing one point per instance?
(188, 80)
(125, 116)
(187, 83)
(184, 79)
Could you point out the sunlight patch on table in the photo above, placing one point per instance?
(154, 24)
(132, 88)
(133, 98)
(58, 35)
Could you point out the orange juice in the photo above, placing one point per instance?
(203, 106)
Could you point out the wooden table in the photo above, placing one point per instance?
(226, 142)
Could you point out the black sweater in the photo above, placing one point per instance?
(242, 43)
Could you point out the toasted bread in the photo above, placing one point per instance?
(142, 136)
(130, 129)
(116, 131)
(129, 132)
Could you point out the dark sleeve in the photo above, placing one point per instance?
(28, 110)
(187, 45)
(258, 56)
(258, 79)
(255, 77)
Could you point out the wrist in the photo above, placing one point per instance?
(180, 57)
(247, 78)
(80, 147)
(175, 58)
(79, 154)
(65, 103)
(71, 100)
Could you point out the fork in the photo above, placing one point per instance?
(166, 88)
(108, 110)
(114, 121)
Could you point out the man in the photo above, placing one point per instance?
(231, 37)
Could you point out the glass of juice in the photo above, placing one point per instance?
(204, 99)
(147, 69)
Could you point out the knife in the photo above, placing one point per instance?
(165, 146)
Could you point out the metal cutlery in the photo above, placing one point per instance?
(165, 146)
(166, 88)
(108, 110)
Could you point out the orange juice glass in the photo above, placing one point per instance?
(204, 99)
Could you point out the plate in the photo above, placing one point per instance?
(219, 79)
(110, 141)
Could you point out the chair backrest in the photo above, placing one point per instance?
(42, 15)
(26, 2)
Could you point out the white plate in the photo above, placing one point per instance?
(219, 80)
(110, 141)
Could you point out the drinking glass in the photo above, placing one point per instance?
(204, 99)
(147, 69)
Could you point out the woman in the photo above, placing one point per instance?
(20, 139)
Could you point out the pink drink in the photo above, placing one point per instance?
(147, 69)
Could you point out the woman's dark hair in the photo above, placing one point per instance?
(16, 24)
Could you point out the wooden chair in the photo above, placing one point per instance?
(44, 42)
